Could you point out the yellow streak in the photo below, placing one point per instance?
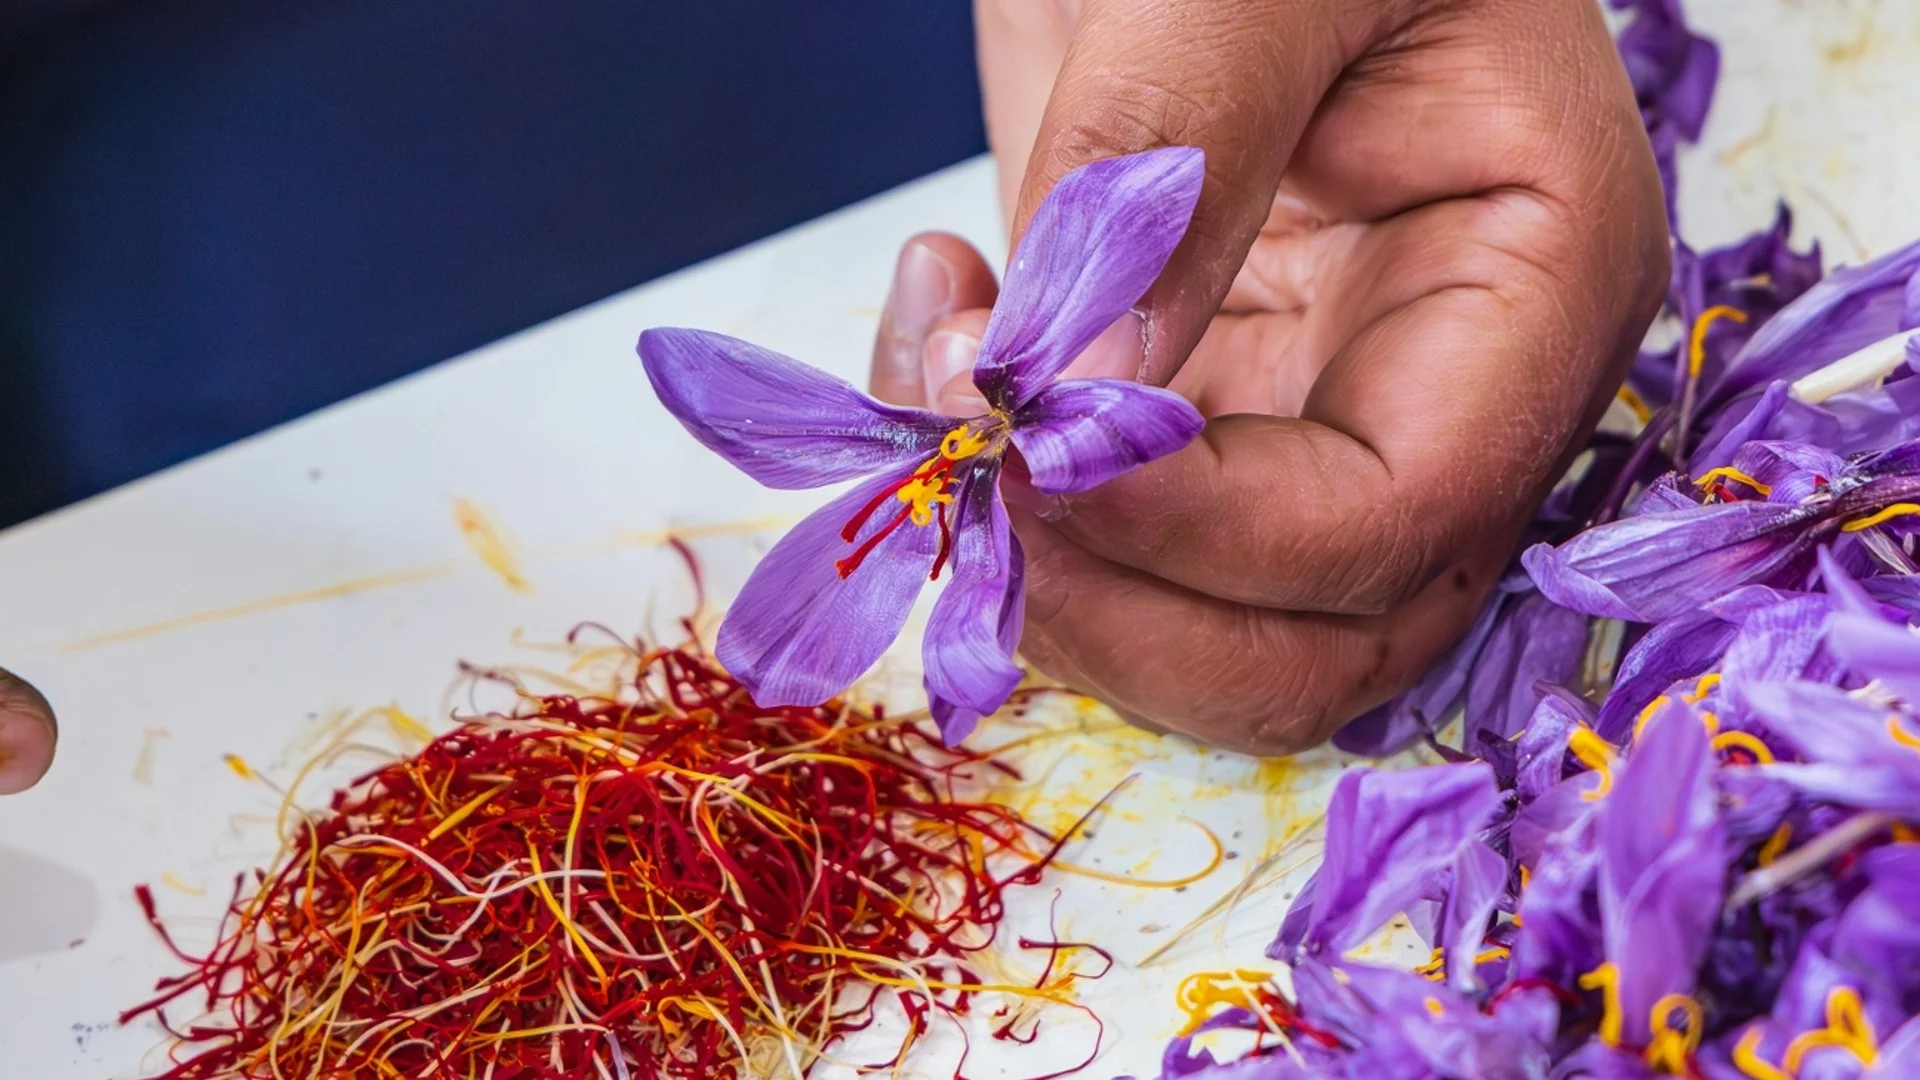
(1702, 688)
(466, 810)
(1742, 740)
(1888, 514)
(490, 540)
(1634, 403)
(1901, 735)
(1606, 979)
(540, 884)
(255, 607)
(1775, 844)
(1847, 1027)
(239, 766)
(171, 881)
(1727, 472)
(1697, 348)
(1746, 1057)
(1597, 754)
(1670, 1049)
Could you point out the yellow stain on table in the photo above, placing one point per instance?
(143, 764)
(491, 541)
(255, 607)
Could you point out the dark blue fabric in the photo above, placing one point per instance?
(216, 215)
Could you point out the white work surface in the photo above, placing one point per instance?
(234, 605)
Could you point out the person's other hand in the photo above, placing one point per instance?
(1431, 239)
(27, 734)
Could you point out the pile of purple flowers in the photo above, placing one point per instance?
(1674, 838)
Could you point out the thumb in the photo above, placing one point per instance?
(1239, 79)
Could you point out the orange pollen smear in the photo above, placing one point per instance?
(926, 493)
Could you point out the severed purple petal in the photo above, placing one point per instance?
(1078, 434)
(1089, 254)
(800, 633)
(1655, 566)
(975, 626)
(1663, 865)
(778, 420)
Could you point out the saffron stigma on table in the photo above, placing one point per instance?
(670, 881)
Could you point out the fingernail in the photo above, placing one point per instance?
(1016, 487)
(949, 369)
(922, 291)
(1120, 352)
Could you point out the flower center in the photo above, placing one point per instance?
(926, 491)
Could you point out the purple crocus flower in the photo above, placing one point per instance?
(831, 595)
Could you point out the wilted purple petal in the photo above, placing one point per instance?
(1479, 880)
(1655, 566)
(1663, 866)
(1850, 309)
(1390, 835)
(1535, 641)
(975, 626)
(1678, 648)
(1560, 938)
(1089, 254)
(1854, 756)
(778, 420)
(800, 633)
(1542, 749)
(1781, 642)
(1080, 433)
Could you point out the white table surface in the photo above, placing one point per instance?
(233, 605)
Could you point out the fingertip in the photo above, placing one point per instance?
(936, 275)
(28, 734)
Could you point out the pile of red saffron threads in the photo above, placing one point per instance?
(667, 882)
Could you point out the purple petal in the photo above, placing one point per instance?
(1854, 758)
(1849, 310)
(1677, 648)
(1078, 434)
(1663, 866)
(799, 633)
(975, 626)
(1655, 566)
(1089, 254)
(778, 420)
(1537, 641)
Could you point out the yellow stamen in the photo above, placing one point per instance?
(922, 495)
(1744, 741)
(1595, 753)
(1903, 833)
(1433, 1006)
(1847, 1027)
(1606, 979)
(1891, 512)
(1671, 1049)
(1634, 403)
(1436, 965)
(1710, 721)
(962, 442)
(1901, 735)
(1697, 348)
(1727, 472)
(1702, 688)
(1646, 714)
(1775, 844)
(1746, 1057)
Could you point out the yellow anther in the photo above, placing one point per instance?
(1903, 833)
(1746, 1057)
(1710, 721)
(1847, 1027)
(1595, 753)
(922, 495)
(1433, 1005)
(1741, 740)
(1702, 688)
(1727, 472)
(1634, 403)
(1901, 735)
(1646, 714)
(1697, 348)
(1891, 512)
(1436, 965)
(1606, 979)
(1775, 844)
(1672, 1048)
(962, 442)
(1526, 876)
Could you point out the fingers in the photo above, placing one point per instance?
(27, 734)
(1238, 79)
(937, 275)
(1248, 679)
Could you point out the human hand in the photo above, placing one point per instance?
(1431, 239)
(27, 734)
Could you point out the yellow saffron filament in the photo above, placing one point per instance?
(1672, 1048)
(1706, 685)
(1746, 1058)
(239, 766)
(1199, 993)
(1647, 714)
(1847, 1027)
(1740, 740)
(1888, 514)
(1606, 979)
(1697, 347)
(1634, 403)
(1595, 753)
(1775, 844)
(1903, 833)
(1727, 472)
(1901, 735)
